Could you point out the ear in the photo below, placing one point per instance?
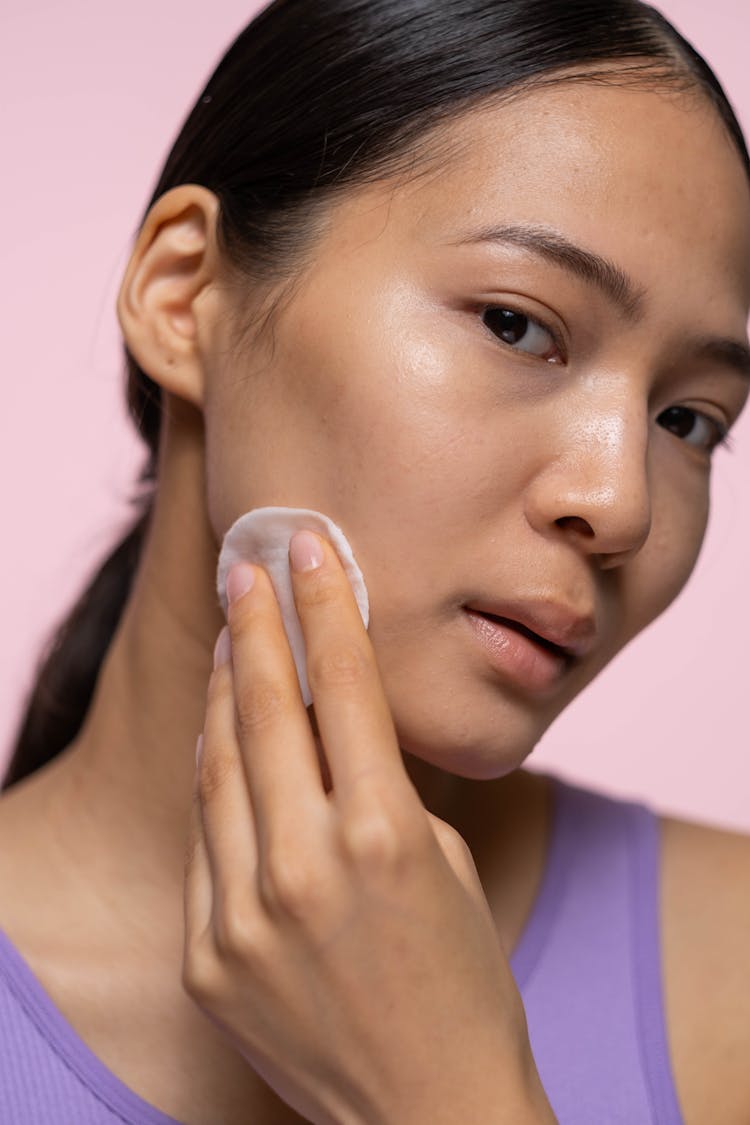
(174, 261)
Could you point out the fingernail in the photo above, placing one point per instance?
(198, 750)
(240, 579)
(223, 647)
(305, 551)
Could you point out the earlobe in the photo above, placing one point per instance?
(173, 261)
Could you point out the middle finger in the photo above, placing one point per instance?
(356, 725)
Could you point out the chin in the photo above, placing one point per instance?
(481, 750)
(451, 716)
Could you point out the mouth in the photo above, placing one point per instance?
(550, 646)
(537, 652)
(557, 627)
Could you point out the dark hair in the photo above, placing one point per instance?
(314, 97)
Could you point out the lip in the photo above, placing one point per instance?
(527, 664)
(572, 633)
(535, 641)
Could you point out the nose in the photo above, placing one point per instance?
(594, 483)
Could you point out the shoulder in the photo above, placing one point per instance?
(705, 925)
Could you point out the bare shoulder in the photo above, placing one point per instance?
(705, 917)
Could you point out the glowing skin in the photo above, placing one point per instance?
(461, 467)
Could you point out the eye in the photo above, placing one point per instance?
(694, 427)
(522, 333)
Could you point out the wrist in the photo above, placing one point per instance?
(479, 1090)
(526, 1103)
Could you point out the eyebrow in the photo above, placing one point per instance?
(729, 353)
(601, 272)
(592, 268)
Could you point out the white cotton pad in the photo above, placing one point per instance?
(262, 537)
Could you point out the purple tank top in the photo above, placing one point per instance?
(587, 964)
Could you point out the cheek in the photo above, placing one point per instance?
(391, 428)
(373, 410)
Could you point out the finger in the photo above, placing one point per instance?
(226, 805)
(352, 712)
(275, 736)
(198, 893)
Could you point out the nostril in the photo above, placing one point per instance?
(578, 523)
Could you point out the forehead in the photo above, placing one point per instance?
(649, 178)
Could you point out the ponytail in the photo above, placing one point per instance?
(69, 667)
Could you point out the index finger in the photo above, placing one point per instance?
(354, 720)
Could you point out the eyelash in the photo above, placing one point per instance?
(724, 439)
(531, 320)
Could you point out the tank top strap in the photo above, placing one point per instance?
(588, 964)
(645, 873)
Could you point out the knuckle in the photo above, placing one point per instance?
(342, 666)
(261, 706)
(199, 977)
(216, 770)
(242, 614)
(321, 589)
(373, 842)
(458, 852)
(455, 850)
(237, 933)
(289, 886)
(451, 841)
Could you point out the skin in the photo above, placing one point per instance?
(458, 468)
(287, 897)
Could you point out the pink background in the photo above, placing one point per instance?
(91, 96)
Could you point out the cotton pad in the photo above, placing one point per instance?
(262, 536)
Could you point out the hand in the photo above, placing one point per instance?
(338, 933)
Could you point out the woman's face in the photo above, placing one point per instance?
(548, 458)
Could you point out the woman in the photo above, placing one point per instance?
(472, 280)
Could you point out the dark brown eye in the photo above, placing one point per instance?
(521, 332)
(693, 427)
